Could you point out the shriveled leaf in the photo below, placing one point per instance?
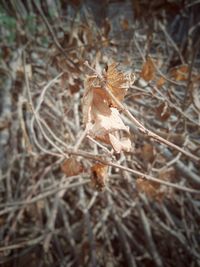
(160, 82)
(100, 102)
(116, 81)
(155, 190)
(168, 174)
(151, 189)
(74, 84)
(148, 70)
(99, 114)
(105, 125)
(119, 145)
(148, 153)
(99, 176)
(95, 101)
(71, 167)
(180, 73)
(163, 111)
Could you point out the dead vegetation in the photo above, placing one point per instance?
(99, 134)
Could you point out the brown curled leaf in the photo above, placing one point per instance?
(116, 82)
(99, 176)
(71, 167)
(148, 70)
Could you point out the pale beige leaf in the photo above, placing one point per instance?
(126, 144)
(119, 145)
(105, 124)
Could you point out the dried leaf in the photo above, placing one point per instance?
(180, 73)
(74, 84)
(160, 82)
(163, 111)
(148, 153)
(155, 190)
(148, 70)
(151, 189)
(95, 100)
(116, 82)
(71, 167)
(99, 176)
(168, 174)
(102, 119)
(119, 145)
(105, 125)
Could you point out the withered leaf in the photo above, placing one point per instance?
(148, 153)
(180, 73)
(163, 111)
(123, 144)
(101, 118)
(99, 176)
(160, 82)
(151, 189)
(104, 128)
(71, 167)
(155, 190)
(107, 123)
(147, 187)
(148, 70)
(95, 101)
(116, 82)
(168, 174)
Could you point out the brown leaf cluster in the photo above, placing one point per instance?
(100, 114)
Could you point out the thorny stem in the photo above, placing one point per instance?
(141, 127)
